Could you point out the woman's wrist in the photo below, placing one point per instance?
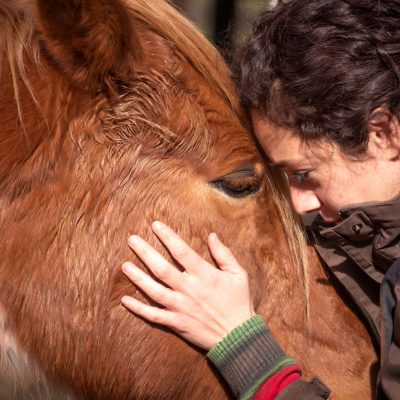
(247, 356)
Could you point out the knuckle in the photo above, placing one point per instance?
(162, 272)
(136, 307)
(191, 282)
(141, 279)
(144, 251)
(157, 317)
(199, 295)
(175, 323)
(158, 296)
(180, 251)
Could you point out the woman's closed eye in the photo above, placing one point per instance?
(300, 177)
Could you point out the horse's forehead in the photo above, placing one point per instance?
(202, 103)
(178, 104)
(182, 91)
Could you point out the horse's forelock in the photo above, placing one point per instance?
(16, 35)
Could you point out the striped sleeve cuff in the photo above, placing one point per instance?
(247, 356)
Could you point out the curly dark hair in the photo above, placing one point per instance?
(321, 67)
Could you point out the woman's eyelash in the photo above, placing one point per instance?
(300, 177)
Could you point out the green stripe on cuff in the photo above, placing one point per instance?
(234, 338)
(247, 356)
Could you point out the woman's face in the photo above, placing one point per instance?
(322, 178)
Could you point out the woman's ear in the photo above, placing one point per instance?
(384, 134)
(93, 42)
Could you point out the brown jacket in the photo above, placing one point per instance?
(363, 254)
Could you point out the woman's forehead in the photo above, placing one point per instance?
(280, 145)
(284, 148)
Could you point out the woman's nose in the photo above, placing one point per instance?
(305, 201)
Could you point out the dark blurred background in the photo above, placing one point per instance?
(225, 22)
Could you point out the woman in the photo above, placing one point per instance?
(322, 81)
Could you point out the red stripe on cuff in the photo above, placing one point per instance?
(274, 385)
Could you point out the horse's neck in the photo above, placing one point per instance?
(331, 333)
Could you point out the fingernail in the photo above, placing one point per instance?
(157, 225)
(126, 267)
(125, 300)
(214, 237)
(134, 240)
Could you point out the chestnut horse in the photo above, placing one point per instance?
(113, 114)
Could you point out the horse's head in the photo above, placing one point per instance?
(114, 114)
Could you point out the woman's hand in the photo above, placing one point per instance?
(202, 303)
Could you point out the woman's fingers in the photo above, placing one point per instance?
(158, 292)
(150, 313)
(157, 264)
(179, 249)
(199, 305)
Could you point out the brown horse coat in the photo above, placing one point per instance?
(114, 114)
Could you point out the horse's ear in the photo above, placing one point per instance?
(91, 41)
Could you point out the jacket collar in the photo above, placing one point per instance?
(373, 227)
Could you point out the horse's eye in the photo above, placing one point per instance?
(239, 184)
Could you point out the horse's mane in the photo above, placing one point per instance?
(16, 34)
(18, 40)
